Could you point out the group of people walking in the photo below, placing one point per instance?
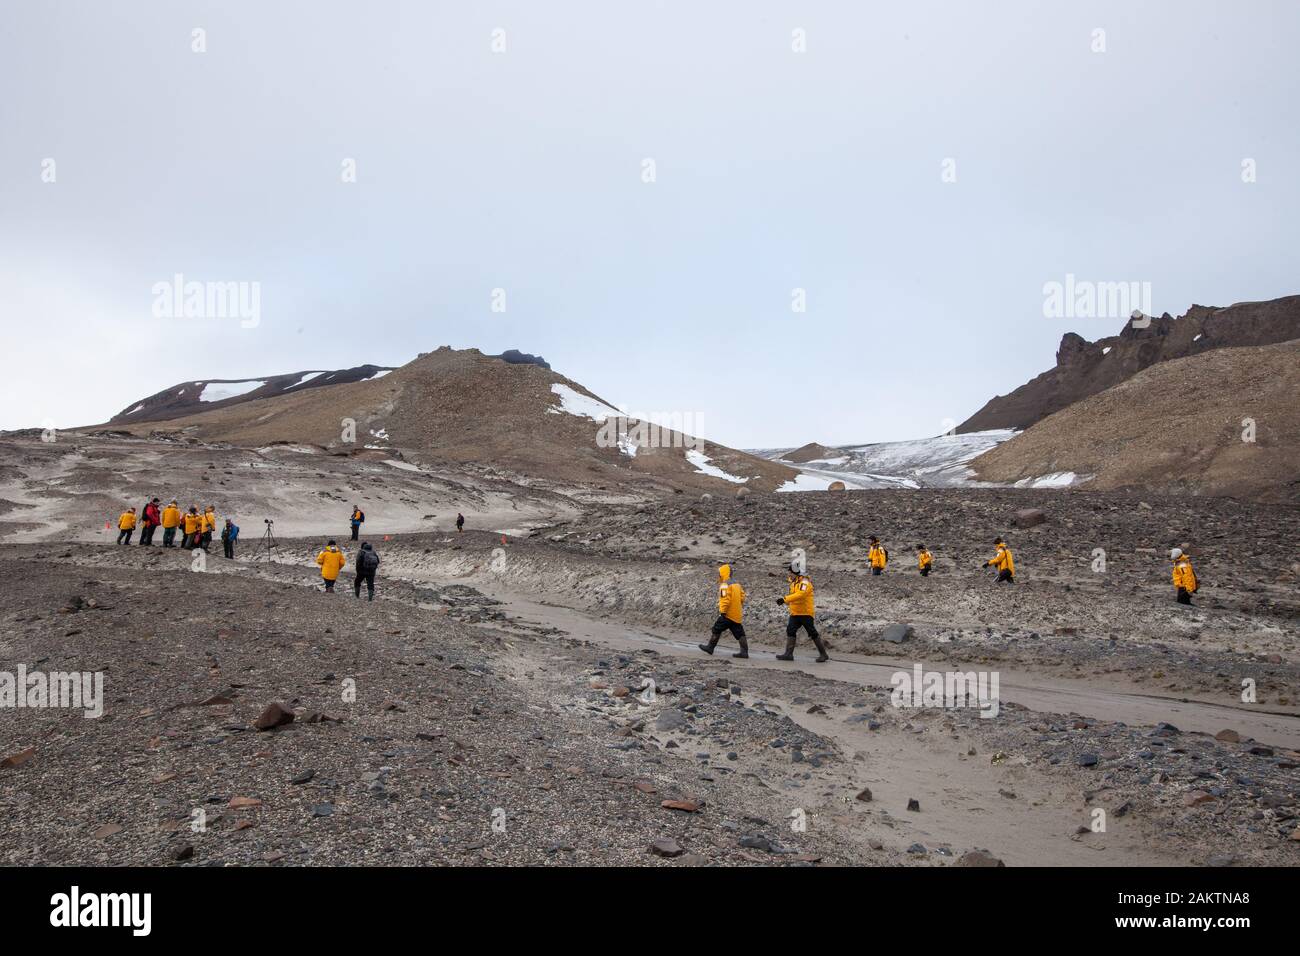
(332, 561)
(799, 601)
(195, 527)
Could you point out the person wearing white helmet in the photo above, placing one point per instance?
(1184, 577)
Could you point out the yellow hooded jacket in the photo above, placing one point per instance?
(171, 516)
(731, 596)
(924, 559)
(1002, 560)
(127, 521)
(191, 523)
(331, 562)
(1184, 576)
(800, 599)
(877, 556)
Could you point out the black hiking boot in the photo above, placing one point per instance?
(706, 648)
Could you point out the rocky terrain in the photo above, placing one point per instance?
(1222, 423)
(538, 697)
(1086, 368)
(463, 408)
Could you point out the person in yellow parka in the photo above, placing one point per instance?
(331, 562)
(1184, 577)
(1003, 562)
(126, 526)
(208, 524)
(924, 560)
(802, 612)
(878, 556)
(731, 606)
(192, 522)
(171, 519)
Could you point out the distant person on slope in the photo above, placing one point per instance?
(126, 526)
(460, 523)
(1002, 562)
(924, 560)
(358, 518)
(331, 562)
(800, 604)
(171, 519)
(152, 518)
(731, 606)
(1184, 577)
(877, 556)
(229, 535)
(367, 565)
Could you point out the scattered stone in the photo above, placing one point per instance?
(243, 803)
(275, 715)
(914, 805)
(979, 858)
(665, 847)
(18, 759)
(897, 633)
(1029, 517)
(864, 795)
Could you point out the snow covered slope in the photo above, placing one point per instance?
(939, 462)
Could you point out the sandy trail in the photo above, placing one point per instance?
(1037, 693)
(964, 797)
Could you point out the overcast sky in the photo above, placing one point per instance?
(794, 146)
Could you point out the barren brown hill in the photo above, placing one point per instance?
(466, 407)
(1176, 427)
(1086, 368)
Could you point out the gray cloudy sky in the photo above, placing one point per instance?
(522, 170)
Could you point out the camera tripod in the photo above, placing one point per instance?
(267, 543)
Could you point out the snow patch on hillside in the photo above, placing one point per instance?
(220, 391)
(583, 406)
(703, 466)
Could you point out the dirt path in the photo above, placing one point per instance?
(1037, 693)
(965, 798)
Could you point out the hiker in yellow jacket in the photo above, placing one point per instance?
(877, 556)
(1184, 577)
(190, 524)
(799, 602)
(207, 524)
(171, 519)
(924, 560)
(1003, 562)
(731, 606)
(331, 562)
(126, 526)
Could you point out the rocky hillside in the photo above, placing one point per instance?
(1178, 427)
(463, 407)
(1086, 368)
(188, 398)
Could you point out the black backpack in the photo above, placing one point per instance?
(369, 560)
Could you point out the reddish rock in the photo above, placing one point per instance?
(275, 715)
(18, 759)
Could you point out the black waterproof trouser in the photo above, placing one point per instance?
(124, 536)
(1184, 596)
(1006, 576)
(355, 529)
(368, 577)
(724, 623)
(169, 537)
